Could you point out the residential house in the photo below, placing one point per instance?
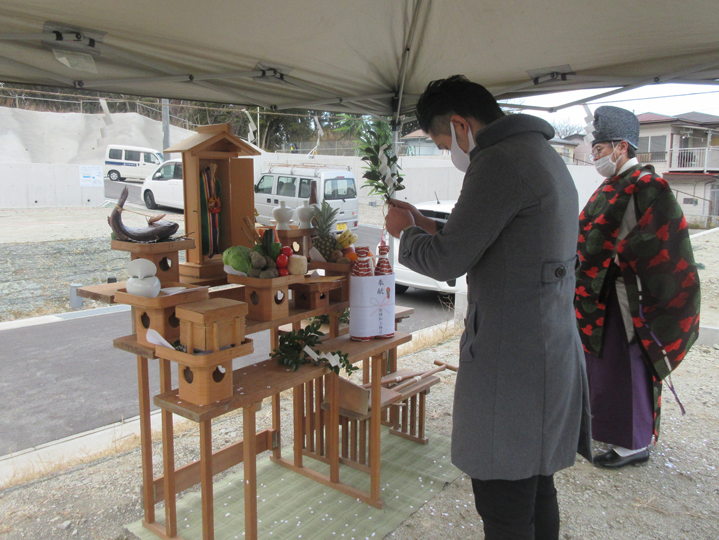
(684, 149)
(418, 143)
(565, 148)
(582, 150)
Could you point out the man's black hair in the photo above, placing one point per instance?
(455, 95)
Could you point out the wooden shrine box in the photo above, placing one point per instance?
(211, 325)
(267, 299)
(216, 145)
(159, 313)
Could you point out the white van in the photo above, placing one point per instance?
(130, 162)
(405, 278)
(291, 184)
(165, 187)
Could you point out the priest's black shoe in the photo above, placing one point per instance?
(612, 460)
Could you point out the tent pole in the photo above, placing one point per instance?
(405, 62)
(397, 101)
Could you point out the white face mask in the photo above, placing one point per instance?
(460, 158)
(605, 166)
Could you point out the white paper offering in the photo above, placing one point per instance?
(371, 306)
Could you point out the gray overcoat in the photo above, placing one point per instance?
(521, 403)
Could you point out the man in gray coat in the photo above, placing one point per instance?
(521, 408)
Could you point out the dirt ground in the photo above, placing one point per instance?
(674, 496)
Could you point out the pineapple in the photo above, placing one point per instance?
(324, 222)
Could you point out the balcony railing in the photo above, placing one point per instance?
(694, 159)
(652, 157)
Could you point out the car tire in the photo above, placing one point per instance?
(400, 289)
(149, 200)
(114, 176)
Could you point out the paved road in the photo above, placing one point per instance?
(113, 190)
(62, 378)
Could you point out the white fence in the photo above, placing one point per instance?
(43, 185)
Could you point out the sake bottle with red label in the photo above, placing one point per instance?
(384, 268)
(362, 267)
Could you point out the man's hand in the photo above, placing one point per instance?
(418, 219)
(398, 219)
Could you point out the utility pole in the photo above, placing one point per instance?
(166, 126)
(259, 141)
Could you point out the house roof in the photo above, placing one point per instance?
(699, 118)
(416, 134)
(692, 117)
(651, 118)
(565, 142)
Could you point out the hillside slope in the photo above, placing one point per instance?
(49, 137)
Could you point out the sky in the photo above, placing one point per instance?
(666, 99)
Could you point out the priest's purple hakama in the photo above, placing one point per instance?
(620, 385)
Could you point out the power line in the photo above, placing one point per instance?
(658, 97)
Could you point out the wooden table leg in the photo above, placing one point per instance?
(334, 325)
(274, 338)
(249, 448)
(168, 453)
(375, 424)
(208, 518)
(333, 432)
(276, 426)
(143, 389)
(392, 367)
(298, 408)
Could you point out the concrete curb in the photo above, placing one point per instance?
(66, 452)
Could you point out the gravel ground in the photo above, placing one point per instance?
(674, 496)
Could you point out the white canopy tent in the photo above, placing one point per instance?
(371, 56)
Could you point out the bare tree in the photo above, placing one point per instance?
(565, 127)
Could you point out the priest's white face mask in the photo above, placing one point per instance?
(460, 158)
(605, 166)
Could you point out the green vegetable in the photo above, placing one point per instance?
(259, 249)
(276, 250)
(267, 240)
(238, 257)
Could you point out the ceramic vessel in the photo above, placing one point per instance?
(148, 287)
(361, 268)
(282, 215)
(141, 268)
(305, 214)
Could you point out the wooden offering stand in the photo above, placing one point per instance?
(165, 255)
(159, 313)
(216, 329)
(267, 299)
(213, 326)
(297, 239)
